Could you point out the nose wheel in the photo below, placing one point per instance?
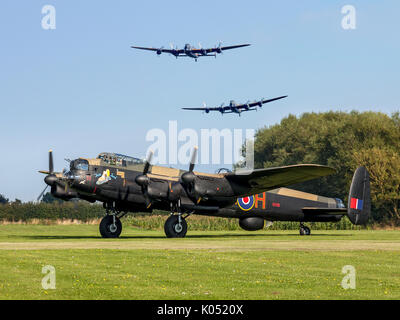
(304, 230)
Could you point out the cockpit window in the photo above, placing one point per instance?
(80, 164)
(119, 159)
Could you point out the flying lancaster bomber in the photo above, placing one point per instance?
(236, 108)
(127, 184)
(192, 52)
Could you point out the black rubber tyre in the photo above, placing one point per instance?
(107, 230)
(172, 228)
(305, 231)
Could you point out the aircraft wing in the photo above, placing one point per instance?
(257, 103)
(203, 109)
(260, 180)
(227, 48)
(172, 51)
(225, 109)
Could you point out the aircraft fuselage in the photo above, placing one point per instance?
(110, 184)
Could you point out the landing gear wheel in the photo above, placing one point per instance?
(305, 231)
(174, 229)
(109, 229)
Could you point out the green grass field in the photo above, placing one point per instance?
(204, 265)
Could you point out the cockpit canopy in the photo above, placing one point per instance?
(117, 159)
(79, 164)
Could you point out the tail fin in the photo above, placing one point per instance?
(359, 205)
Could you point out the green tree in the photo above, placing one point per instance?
(384, 170)
(3, 199)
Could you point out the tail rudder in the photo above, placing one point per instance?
(359, 204)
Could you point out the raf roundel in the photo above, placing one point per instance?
(246, 203)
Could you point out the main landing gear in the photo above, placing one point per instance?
(304, 230)
(110, 225)
(176, 225)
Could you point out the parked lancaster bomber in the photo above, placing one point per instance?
(126, 184)
(236, 108)
(192, 52)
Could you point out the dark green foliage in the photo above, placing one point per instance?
(336, 139)
(78, 210)
(49, 198)
(3, 199)
(50, 211)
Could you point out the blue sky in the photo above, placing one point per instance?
(80, 89)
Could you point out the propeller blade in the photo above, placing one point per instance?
(42, 193)
(148, 162)
(51, 166)
(193, 160)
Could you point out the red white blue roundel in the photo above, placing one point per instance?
(246, 203)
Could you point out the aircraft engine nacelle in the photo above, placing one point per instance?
(158, 190)
(159, 51)
(251, 223)
(59, 192)
(164, 191)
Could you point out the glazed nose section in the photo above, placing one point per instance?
(74, 178)
(50, 179)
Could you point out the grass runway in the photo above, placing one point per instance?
(204, 265)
